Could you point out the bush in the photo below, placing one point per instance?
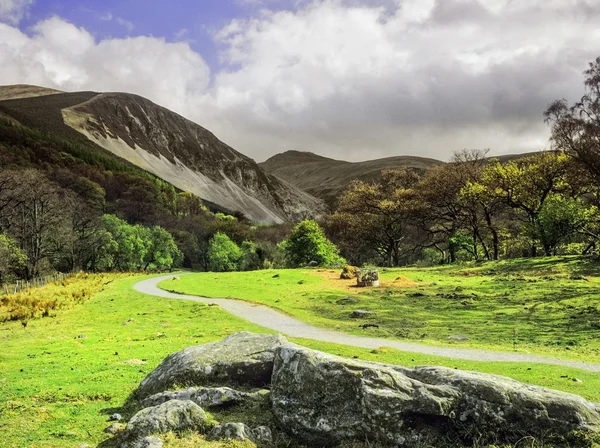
(223, 254)
(308, 244)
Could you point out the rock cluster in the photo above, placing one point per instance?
(321, 399)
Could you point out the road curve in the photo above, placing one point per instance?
(274, 320)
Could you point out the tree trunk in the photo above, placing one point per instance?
(452, 251)
(495, 244)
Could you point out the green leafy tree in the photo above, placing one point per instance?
(308, 243)
(526, 184)
(126, 246)
(251, 258)
(162, 253)
(561, 218)
(12, 259)
(377, 217)
(223, 254)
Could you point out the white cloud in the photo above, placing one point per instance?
(349, 78)
(12, 11)
(125, 24)
(61, 55)
(427, 77)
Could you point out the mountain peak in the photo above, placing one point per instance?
(294, 156)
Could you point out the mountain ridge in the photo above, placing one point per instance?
(326, 178)
(169, 146)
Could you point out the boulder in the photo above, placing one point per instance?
(361, 314)
(323, 399)
(233, 431)
(174, 415)
(242, 358)
(205, 397)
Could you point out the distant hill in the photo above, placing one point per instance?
(134, 131)
(24, 91)
(327, 178)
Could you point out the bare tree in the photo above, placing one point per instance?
(576, 128)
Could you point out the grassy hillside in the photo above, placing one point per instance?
(327, 178)
(62, 376)
(542, 306)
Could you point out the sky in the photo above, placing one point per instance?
(348, 79)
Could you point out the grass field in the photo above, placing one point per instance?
(57, 390)
(542, 306)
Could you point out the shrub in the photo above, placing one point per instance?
(223, 254)
(308, 244)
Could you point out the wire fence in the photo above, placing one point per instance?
(25, 285)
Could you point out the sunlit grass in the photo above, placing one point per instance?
(542, 306)
(57, 390)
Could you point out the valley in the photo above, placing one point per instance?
(81, 364)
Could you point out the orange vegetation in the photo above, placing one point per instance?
(332, 277)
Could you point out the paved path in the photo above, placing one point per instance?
(269, 318)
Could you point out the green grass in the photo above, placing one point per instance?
(542, 306)
(58, 391)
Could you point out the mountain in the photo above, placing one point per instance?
(163, 143)
(24, 91)
(327, 178)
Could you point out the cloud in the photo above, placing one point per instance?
(12, 11)
(423, 77)
(60, 55)
(125, 24)
(353, 79)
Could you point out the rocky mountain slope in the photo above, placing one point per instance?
(165, 144)
(326, 178)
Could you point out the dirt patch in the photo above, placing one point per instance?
(333, 278)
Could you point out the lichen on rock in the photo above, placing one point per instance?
(174, 415)
(324, 399)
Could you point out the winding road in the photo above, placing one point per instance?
(274, 320)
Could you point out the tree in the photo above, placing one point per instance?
(447, 213)
(223, 254)
(308, 243)
(35, 218)
(379, 215)
(525, 185)
(559, 219)
(125, 246)
(483, 206)
(576, 128)
(162, 253)
(12, 259)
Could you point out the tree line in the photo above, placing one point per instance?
(64, 207)
(477, 208)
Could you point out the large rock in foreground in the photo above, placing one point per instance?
(323, 399)
(242, 358)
